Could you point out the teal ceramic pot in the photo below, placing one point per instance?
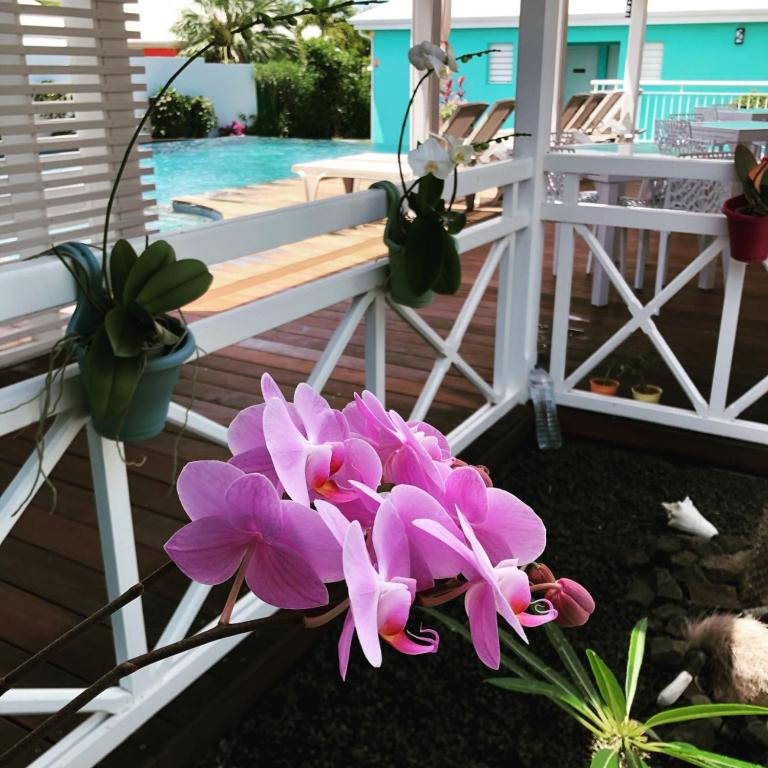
(148, 410)
(146, 415)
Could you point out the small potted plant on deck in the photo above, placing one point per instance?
(129, 349)
(608, 383)
(747, 213)
(637, 367)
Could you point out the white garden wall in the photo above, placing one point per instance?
(231, 87)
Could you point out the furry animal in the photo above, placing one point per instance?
(727, 657)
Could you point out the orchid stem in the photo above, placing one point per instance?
(405, 122)
(313, 622)
(444, 597)
(226, 614)
(545, 587)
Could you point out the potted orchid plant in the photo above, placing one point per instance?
(421, 228)
(747, 213)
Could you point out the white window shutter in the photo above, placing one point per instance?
(500, 63)
(653, 61)
(68, 106)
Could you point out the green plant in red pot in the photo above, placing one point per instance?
(747, 214)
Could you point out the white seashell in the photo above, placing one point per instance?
(675, 689)
(684, 516)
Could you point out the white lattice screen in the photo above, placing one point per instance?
(68, 105)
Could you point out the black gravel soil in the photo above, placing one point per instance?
(597, 502)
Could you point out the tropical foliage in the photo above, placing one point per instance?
(215, 20)
(754, 179)
(176, 116)
(597, 701)
(323, 94)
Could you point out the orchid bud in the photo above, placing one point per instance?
(481, 470)
(573, 602)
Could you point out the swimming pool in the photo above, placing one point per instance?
(206, 165)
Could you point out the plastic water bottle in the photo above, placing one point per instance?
(542, 392)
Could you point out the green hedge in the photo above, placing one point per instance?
(323, 95)
(176, 116)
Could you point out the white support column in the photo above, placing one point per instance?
(118, 548)
(425, 115)
(376, 346)
(561, 60)
(633, 63)
(535, 89)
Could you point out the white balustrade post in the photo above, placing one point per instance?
(375, 346)
(425, 115)
(118, 547)
(521, 289)
(561, 62)
(633, 63)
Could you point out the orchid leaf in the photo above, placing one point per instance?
(430, 191)
(608, 686)
(175, 286)
(109, 381)
(455, 221)
(698, 757)
(633, 759)
(424, 254)
(635, 660)
(605, 758)
(124, 331)
(158, 255)
(121, 262)
(571, 662)
(702, 712)
(745, 162)
(449, 279)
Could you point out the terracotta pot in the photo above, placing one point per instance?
(748, 234)
(604, 386)
(649, 394)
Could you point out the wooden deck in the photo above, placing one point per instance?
(50, 567)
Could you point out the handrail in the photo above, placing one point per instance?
(641, 166)
(34, 286)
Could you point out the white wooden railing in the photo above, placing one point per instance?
(713, 414)
(661, 98)
(28, 287)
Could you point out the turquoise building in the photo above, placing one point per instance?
(709, 50)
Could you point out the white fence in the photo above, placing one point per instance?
(44, 284)
(713, 414)
(661, 98)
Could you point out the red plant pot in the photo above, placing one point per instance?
(748, 234)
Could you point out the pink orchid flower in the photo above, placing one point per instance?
(505, 526)
(246, 434)
(491, 590)
(316, 458)
(238, 520)
(380, 598)
(408, 450)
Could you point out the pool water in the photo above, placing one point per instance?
(206, 165)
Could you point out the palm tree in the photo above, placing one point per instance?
(216, 18)
(325, 21)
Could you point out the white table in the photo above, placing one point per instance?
(730, 132)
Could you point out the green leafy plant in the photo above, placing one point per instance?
(754, 179)
(175, 116)
(637, 368)
(132, 321)
(614, 368)
(751, 101)
(594, 698)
